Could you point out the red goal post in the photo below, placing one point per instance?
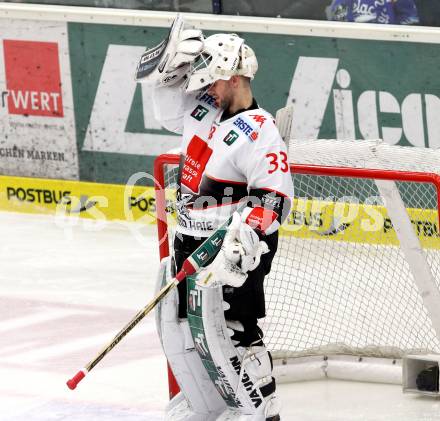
(335, 289)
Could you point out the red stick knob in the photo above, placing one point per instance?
(73, 382)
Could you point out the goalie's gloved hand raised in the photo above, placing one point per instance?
(189, 46)
(170, 61)
(240, 253)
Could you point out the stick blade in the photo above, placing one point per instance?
(283, 120)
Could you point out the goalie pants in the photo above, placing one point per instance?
(247, 303)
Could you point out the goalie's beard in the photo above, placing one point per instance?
(247, 303)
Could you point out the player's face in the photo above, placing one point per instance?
(222, 93)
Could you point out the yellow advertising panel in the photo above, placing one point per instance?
(353, 222)
(338, 221)
(88, 200)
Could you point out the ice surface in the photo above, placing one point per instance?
(64, 293)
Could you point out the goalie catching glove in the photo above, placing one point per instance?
(240, 253)
(171, 60)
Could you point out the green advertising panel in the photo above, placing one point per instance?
(340, 88)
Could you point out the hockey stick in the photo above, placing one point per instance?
(200, 257)
(283, 120)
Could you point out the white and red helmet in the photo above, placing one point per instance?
(223, 56)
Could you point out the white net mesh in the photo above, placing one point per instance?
(340, 282)
(364, 154)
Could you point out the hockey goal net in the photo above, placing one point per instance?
(357, 271)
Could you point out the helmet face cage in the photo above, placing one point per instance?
(203, 61)
(224, 55)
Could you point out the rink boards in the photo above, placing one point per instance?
(319, 220)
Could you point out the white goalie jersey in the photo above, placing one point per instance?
(224, 160)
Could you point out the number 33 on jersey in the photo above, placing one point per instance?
(278, 161)
(225, 160)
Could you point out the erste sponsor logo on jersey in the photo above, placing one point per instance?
(246, 128)
(199, 112)
(33, 80)
(208, 99)
(230, 138)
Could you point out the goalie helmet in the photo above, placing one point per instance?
(223, 56)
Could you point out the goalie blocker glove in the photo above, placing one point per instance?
(240, 253)
(171, 60)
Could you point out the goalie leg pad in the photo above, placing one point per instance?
(242, 375)
(202, 401)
